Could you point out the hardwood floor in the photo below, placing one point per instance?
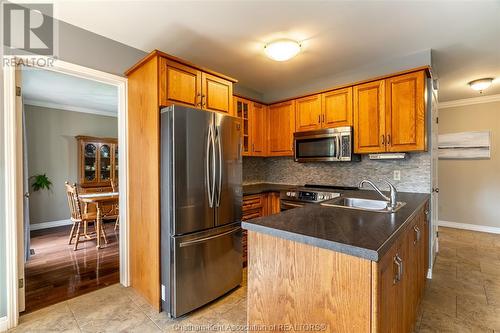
(57, 273)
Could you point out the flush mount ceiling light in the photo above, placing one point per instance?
(481, 84)
(282, 49)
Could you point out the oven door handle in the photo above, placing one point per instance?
(286, 203)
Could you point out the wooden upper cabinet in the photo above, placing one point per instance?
(216, 93)
(242, 110)
(336, 106)
(281, 128)
(179, 84)
(308, 115)
(258, 129)
(369, 117)
(405, 112)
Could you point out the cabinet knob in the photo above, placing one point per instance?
(388, 139)
(383, 139)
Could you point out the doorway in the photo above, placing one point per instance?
(16, 285)
(70, 140)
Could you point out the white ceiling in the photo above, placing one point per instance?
(56, 90)
(338, 37)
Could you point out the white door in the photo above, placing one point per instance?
(20, 191)
(434, 179)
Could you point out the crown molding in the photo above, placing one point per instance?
(470, 101)
(70, 108)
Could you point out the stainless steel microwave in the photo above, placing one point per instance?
(325, 145)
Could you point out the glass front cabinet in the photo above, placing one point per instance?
(97, 161)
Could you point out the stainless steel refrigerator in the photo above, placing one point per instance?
(201, 199)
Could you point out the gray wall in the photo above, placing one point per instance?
(469, 190)
(83, 48)
(415, 172)
(52, 149)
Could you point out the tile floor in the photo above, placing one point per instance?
(463, 296)
(464, 293)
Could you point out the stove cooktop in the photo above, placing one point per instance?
(314, 193)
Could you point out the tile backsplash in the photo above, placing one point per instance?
(415, 172)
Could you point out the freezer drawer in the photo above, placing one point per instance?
(206, 266)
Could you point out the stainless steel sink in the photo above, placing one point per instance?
(381, 206)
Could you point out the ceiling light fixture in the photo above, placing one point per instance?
(282, 49)
(481, 84)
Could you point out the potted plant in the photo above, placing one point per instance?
(40, 182)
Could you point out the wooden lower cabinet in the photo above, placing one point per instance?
(400, 278)
(292, 283)
(258, 205)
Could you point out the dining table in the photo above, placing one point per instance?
(99, 199)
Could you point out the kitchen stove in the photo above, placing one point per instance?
(309, 194)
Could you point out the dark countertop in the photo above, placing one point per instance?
(360, 233)
(264, 188)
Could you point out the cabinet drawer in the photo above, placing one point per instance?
(252, 215)
(252, 202)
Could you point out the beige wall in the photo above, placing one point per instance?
(52, 150)
(469, 190)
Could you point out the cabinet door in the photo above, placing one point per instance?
(179, 84)
(258, 129)
(216, 93)
(89, 162)
(337, 108)
(388, 293)
(115, 163)
(105, 163)
(409, 256)
(242, 110)
(369, 117)
(273, 203)
(308, 113)
(281, 128)
(405, 112)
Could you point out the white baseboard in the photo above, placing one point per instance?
(466, 226)
(3, 324)
(51, 224)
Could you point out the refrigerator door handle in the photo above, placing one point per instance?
(214, 165)
(220, 166)
(210, 188)
(204, 239)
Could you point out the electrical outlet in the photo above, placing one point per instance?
(397, 175)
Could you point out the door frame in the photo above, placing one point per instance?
(14, 171)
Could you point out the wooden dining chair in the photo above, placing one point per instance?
(114, 186)
(78, 217)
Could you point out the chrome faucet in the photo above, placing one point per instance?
(393, 202)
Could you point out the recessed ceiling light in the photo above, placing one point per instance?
(282, 49)
(481, 84)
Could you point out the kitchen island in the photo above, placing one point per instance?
(337, 269)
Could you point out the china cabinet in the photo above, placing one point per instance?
(97, 161)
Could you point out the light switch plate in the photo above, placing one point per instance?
(397, 175)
